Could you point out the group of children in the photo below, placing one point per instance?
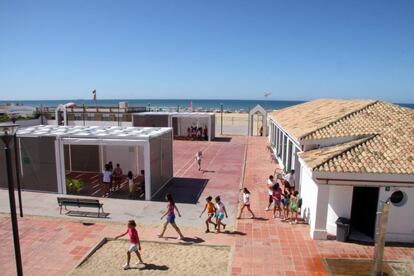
(113, 179)
(217, 211)
(199, 133)
(285, 200)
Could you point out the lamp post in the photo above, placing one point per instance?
(221, 108)
(7, 133)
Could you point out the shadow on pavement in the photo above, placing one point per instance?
(183, 190)
(222, 139)
(234, 233)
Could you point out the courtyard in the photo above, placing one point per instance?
(54, 244)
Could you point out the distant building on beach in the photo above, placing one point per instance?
(120, 115)
(348, 157)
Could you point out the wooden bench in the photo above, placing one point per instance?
(79, 202)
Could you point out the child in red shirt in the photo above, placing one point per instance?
(135, 243)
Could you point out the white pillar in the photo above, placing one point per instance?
(318, 224)
(147, 164)
(209, 128)
(60, 167)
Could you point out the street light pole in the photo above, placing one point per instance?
(7, 132)
(19, 190)
(221, 130)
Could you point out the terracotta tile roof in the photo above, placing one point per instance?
(316, 158)
(388, 146)
(302, 119)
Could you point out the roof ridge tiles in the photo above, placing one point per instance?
(332, 123)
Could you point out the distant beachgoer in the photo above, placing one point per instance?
(117, 176)
(220, 212)
(131, 184)
(199, 133)
(107, 174)
(269, 184)
(246, 203)
(111, 168)
(171, 217)
(198, 158)
(135, 245)
(290, 177)
(205, 131)
(294, 207)
(210, 213)
(277, 196)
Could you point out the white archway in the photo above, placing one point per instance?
(258, 109)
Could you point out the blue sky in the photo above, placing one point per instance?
(298, 50)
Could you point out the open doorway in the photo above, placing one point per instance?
(364, 213)
(84, 165)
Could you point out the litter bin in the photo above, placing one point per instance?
(342, 229)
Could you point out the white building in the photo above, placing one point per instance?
(349, 156)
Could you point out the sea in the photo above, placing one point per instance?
(212, 105)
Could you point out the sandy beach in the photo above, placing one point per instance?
(236, 123)
(160, 258)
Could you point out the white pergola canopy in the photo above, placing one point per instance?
(97, 132)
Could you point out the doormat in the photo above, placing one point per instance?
(364, 267)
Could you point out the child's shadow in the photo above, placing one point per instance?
(234, 233)
(153, 267)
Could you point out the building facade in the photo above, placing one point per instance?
(348, 157)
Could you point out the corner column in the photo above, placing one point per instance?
(318, 224)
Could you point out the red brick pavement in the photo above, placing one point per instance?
(271, 247)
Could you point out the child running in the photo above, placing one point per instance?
(210, 213)
(135, 243)
(171, 217)
(246, 203)
(220, 212)
(199, 157)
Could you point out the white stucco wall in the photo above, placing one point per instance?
(340, 205)
(401, 219)
(186, 122)
(126, 156)
(315, 199)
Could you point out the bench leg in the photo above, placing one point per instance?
(99, 209)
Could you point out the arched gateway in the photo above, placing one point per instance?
(257, 110)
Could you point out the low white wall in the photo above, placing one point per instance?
(401, 219)
(340, 205)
